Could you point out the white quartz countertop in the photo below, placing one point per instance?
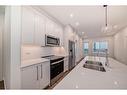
(30, 62)
(115, 76)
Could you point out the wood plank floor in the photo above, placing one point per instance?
(2, 84)
(52, 86)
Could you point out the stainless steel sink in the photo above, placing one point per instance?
(94, 63)
(94, 66)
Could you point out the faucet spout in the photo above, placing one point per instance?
(106, 57)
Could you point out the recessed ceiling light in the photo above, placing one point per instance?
(115, 82)
(77, 23)
(82, 32)
(71, 15)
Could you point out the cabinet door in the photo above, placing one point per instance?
(40, 30)
(30, 77)
(58, 31)
(45, 74)
(27, 26)
(50, 27)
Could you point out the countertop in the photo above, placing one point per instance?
(115, 76)
(26, 63)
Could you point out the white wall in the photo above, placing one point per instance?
(11, 47)
(1, 32)
(108, 39)
(68, 35)
(6, 49)
(79, 47)
(120, 46)
(33, 52)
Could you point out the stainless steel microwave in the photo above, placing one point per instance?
(52, 41)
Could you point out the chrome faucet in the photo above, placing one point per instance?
(106, 56)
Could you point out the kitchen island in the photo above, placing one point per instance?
(115, 76)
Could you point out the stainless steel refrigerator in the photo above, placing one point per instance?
(71, 46)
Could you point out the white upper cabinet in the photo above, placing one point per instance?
(59, 33)
(27, 26)
(54, 29)
(40, 23)
(35, 26)
(50, 27)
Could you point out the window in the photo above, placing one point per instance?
(100, 46)
(86, 46)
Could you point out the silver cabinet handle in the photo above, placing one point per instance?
(41, 71)
(57, 62)
(37, 72)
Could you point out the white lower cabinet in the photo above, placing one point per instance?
(65, 64)
(30, 77)
(35, 76)
(45, 77)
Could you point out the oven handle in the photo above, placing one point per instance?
(37, 72)
(41, 71)
(57, 62)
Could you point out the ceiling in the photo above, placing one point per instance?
(89, 21)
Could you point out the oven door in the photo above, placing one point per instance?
(56, 68)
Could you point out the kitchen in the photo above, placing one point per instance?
(47, 48)
(46, 44)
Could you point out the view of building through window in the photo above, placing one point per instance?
(86, 48)
(100, 46)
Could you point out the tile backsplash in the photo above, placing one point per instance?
(33, 52)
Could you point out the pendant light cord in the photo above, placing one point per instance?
(106, 15)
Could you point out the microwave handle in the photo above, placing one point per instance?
(58, 41)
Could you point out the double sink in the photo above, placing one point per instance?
(94, 65)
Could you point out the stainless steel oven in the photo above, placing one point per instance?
(56, 67)
(51, 41)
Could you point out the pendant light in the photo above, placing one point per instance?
(106, 17)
